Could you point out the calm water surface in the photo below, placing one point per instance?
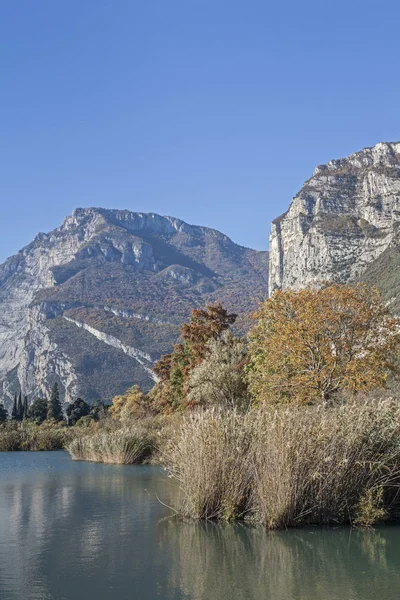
(74, 530)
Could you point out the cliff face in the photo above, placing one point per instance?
(93, 303)
(344, 217)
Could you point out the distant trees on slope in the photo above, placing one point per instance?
(42, 409)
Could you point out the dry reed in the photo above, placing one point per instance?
(123, 446)
(287, 467)
(209, 456)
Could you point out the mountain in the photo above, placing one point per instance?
(93, 303)
(343, 225)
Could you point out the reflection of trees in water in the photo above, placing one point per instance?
(59, 529)
(237, 562)
(90, 531)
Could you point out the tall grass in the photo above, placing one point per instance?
(123, 446)
(287, 467)
(210, 457)
(318, 465)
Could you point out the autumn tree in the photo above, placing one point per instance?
(174, 369)
(309, 344)
(134, 404)
(205, 324)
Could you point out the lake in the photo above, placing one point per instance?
(83, 531)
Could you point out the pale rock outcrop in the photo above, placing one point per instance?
(342, 219)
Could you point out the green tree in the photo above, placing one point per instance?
(20, 409)
(25, 408)
(54, 408)
(76, 410)
(38, 410)
(3, 414)
(98, 410)
(14, 411)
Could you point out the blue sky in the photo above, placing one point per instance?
(214, 112)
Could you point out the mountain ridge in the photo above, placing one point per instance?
(94, 302)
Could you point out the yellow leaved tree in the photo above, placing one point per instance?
(130, 406)
(309, 344)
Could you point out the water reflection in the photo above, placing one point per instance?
(79, 530)
(72, 531)
(234, 561)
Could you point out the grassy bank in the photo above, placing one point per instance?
(290, 467)
(30, 436)
(282, 467)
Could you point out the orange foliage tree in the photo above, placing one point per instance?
(309, 344)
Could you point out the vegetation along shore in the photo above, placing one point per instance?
(297, 424)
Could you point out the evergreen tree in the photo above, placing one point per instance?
(54, 408)
(14, 412)
(38, 410)
(76, 410)
(3, 414)
(25, 408)
(19, 407)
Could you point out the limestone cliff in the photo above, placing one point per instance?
(93, 303)
(344, 217)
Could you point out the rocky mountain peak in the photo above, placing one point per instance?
(383, 154)
(94, 302)
(341, 220)
(134, 222)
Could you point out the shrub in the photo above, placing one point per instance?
(30, 436)
(370, 507)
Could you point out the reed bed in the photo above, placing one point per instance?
(124, 446)
(289, 467)
(210, 458)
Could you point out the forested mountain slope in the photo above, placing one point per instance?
(93, 303)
